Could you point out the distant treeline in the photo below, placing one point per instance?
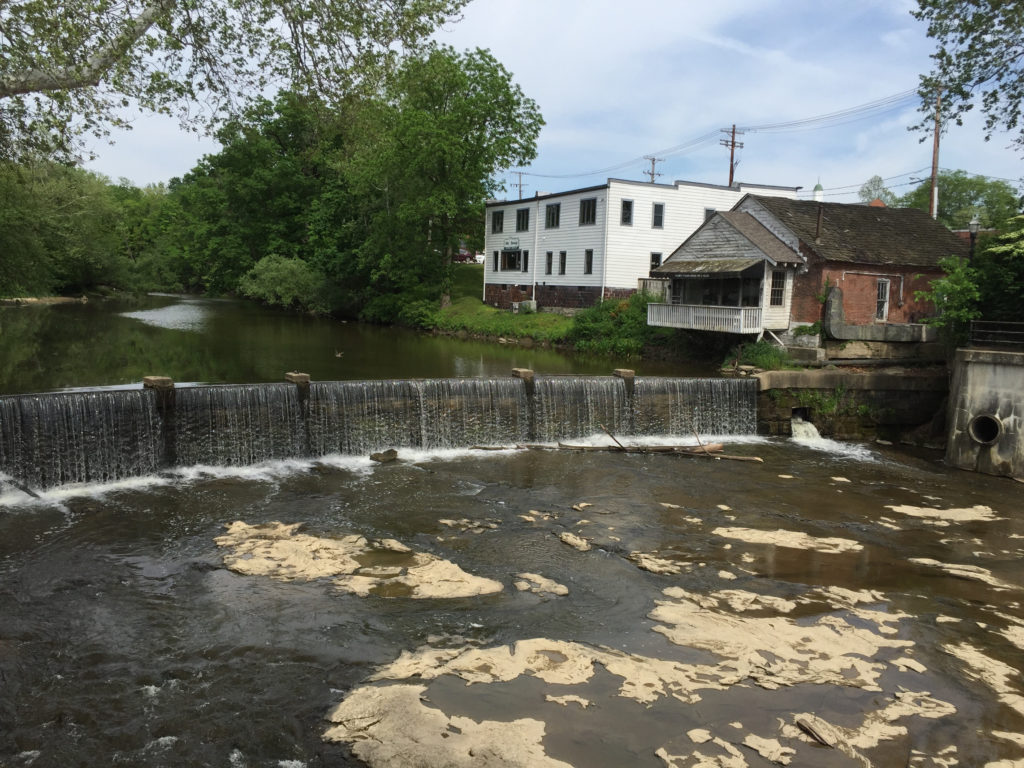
(355, 210)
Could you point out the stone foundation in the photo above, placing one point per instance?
(850, 406)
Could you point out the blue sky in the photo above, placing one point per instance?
(616, 81)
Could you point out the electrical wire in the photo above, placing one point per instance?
(829, 120)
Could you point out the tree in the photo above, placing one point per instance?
(1000, 268)
(430, 154)
(963, 196)
(875, 189)
(72, 67)
(956, 297)
(979, 60)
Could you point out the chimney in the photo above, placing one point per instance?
(817, 228)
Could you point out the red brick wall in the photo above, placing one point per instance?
(568, 296)
(502, 296)
(806, 308)
(860, 291)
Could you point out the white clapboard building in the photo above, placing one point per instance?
(573, 249)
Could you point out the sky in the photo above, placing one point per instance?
(616, 82)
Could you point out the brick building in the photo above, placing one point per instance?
(770, 263)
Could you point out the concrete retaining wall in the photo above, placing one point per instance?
(986, 406)
(848, 405)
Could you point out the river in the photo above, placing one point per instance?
(833, 605)
(118, 341)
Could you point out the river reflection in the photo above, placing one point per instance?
(117, 342)
(722, 613)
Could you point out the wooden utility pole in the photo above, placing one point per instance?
(732, 144)
(933, 204)
(653, 160)
(519, 183)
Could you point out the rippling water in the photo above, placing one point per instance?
(125, 640)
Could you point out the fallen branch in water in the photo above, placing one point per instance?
(706, 451)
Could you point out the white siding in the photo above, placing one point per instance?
(570, 237)
(628, 247)
(776, 318)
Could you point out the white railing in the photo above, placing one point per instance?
(701, 318)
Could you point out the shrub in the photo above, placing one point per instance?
(761, 354)
(284, 282)
(615, 327)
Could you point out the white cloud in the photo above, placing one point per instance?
(617, 81)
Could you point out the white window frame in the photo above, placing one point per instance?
(626, 213)
(657, 216)
(882, 299)
(777, 293)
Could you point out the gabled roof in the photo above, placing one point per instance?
(730, 241)
(863, 234)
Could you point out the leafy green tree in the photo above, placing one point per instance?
(962, 196)
(58, 230)
(428, 157)
(1000, 269)
(70, 67)
(979, 60)
(956, 298)
(875, 189)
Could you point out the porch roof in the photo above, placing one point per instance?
(706, 267)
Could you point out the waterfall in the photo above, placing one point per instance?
(53, 439)
(94, 437)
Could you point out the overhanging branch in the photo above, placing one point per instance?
(89, 74)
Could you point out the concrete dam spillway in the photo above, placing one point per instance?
(53, 439)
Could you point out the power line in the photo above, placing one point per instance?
(816, 122)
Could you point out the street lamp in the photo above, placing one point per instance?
(972, 227)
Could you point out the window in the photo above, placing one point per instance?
(588, 261)
(497, 261)
(526, 261)
(627, 213)
(655, 260)
(778, 289)
(522, 220)
(511, 261)
(658, 216)
(708, 213)
(588, 211)
(882, 303)
(497, 222)
(561, 262)
(547, 263)
(552, 216)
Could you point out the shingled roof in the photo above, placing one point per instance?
(864, 234)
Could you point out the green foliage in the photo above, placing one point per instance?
(1000, 270)
(283, 282)
(58, 230)
(761, 354)
(473, 316)
(616, 327)
(956, 297)
(978, 61)
(875, 189)
(963, 196)
(69, 68)
(808, 330)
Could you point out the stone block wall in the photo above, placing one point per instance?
(850, 406)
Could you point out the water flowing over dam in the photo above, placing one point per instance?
(49, 440)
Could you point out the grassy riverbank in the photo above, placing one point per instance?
(615, 327)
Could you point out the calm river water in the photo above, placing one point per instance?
(117, 342)
(835, 605)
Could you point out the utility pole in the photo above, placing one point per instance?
(733, 145)
(519, 183)
(653, 160)
(933, 205)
